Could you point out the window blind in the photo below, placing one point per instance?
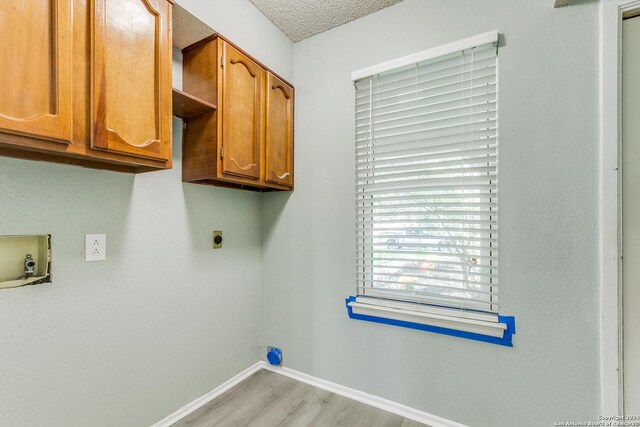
(427, 182)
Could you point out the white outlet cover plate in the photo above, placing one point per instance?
(95, 247)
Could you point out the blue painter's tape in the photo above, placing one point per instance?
(506, 340)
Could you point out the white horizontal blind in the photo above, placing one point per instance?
(427, 182)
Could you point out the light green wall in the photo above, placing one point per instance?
(165, 319)
(548, 221)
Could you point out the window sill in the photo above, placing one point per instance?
(492, 329)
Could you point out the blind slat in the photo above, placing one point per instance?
(480, 284)
(445, 64)
(410, 139)
(447, 284)
(427, 58)
(384, 238)
(437, 94)
(451, 272)
(402, 154)
(417, 107)
(362, 262)
(474, 155)
(429, 81)
(478, 108)
(428, 194)
(441, 216)
(394, 176)
(437, 184)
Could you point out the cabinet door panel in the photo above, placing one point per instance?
(35, 68)
(131, 77)
(279, 143)
(241, 114)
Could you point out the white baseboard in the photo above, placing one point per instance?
(369, 399)
(203, 400)
(360, 396)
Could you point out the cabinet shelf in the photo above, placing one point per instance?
(187, 29)
(187, 106)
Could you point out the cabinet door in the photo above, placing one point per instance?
(35, 68)
(241, 100)
(279, 142)
(131, 77)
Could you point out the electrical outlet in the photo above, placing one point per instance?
(95, 247)
(217, 239)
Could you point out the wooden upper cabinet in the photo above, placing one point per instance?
(279, 132)
(131, 77)
(241, 111)
(245, 138)
(35, 69)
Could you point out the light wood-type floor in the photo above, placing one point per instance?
(268, 399)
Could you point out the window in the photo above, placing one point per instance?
(427, 190)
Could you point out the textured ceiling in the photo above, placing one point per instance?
(300, 19)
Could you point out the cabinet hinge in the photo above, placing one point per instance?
(221, 152)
